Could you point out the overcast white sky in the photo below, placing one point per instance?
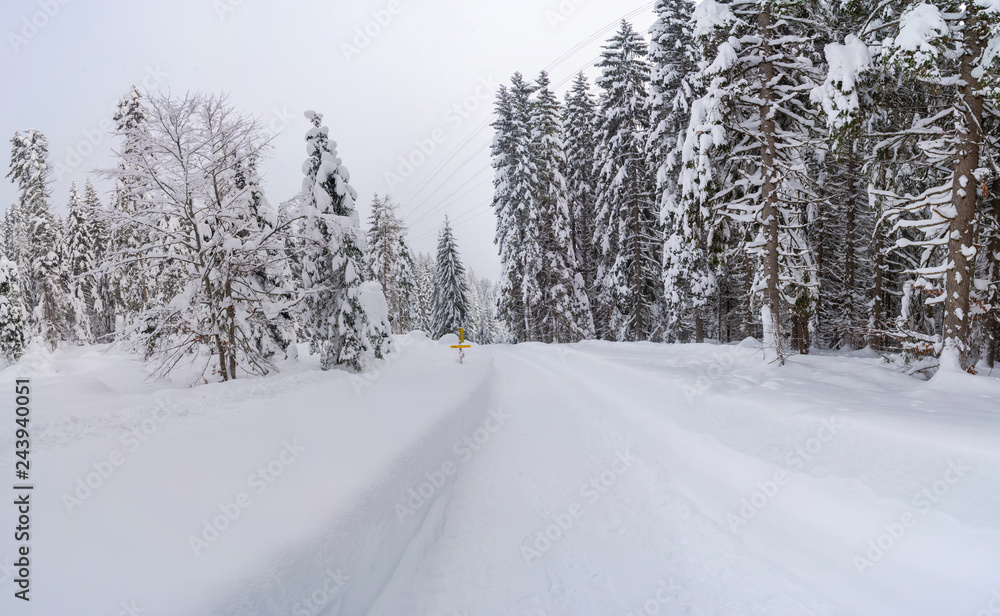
(278, 59)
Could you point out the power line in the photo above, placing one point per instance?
(414, 208)
(446, 202)
(458, 220)
(440, 167)
(593, 37)
(444, 182)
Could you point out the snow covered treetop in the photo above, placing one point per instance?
(29, 168)
(838, 95)
(709, 15)
(921, 37)
(326, 184)
(130, 113)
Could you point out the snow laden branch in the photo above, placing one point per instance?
(192, 217)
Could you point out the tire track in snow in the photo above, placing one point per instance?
(638, 535)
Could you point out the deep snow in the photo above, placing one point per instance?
(595, 478)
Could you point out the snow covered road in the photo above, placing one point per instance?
(646, 479)
(594, 478)
(567, 512)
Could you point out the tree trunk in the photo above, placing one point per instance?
(878, 284)
(220, 347)
(991, 321)
(961, 236)
(770, 309)
(718, 310)
(231, 325)
(218, 335)
(50, 314)
(529, 332)
(819, 224)
(747, 322)
(639, 324)
(850, 254)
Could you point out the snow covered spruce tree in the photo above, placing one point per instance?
(952, 46)
(42, 269)
(451, 293)
(424, 293)
(849, 304)
(503, 152)
(405, 288)
(579, 127)
(13, 329)
(563, 314)
(475, 314)
(627, 230)
(272, 279)
(990, 231)
(748, 145)
(200, 231)
(14, 242)
(391, 262)
(688, 278)
(100, 292)
(483, 323)
(82, 258)
(511, 204)
(132, 286)
(342, 314)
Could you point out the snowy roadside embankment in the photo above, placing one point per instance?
(284, 495)
(873, 491)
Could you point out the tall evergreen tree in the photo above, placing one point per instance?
(564, 311)
(132, 285)
(8, 233)
(512, 205)
(43, 274)
(406, 288)
(14, 235)
(82, 259)
(579, 127)
(13, 332)
(391, 262)
(843, 226)
(748, 147)
(273, 332)
(628, 230)
(688, 277)
(990, 231)
(424, 293)
(342, 331)
(101, 298)
(451, 293)
(475, 306)
(951, 45)
(485, 328)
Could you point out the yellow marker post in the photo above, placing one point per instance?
(461, 347)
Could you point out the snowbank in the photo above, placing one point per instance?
(267, 496)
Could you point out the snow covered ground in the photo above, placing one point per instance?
(595, 478)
